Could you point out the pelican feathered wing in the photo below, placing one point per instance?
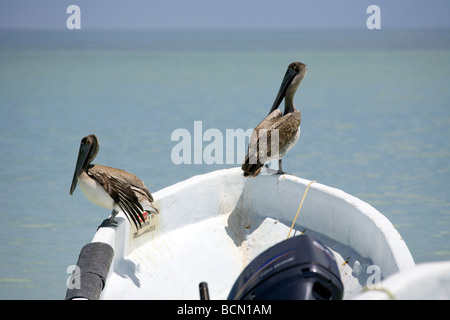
(287, 127)
(126, 190)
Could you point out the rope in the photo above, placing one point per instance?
(385, 290)
(300, 206)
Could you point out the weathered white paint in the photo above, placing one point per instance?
(210, 226)
(429, 280)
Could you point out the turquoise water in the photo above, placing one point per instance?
(375, 123)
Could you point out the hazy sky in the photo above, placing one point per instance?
(99, 14)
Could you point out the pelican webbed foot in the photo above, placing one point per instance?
(108, 223)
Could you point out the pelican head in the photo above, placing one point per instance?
(88, 150)
(292, 78)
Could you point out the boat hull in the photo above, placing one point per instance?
(211, 226)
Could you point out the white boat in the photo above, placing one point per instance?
(430, 280)
(211, 226)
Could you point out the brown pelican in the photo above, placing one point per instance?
(110, 188)
(286, 125)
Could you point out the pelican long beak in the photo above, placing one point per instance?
(288, 77)
(82, 156)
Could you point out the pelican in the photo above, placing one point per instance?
(110, 188)
(286, 124)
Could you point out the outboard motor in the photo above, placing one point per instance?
(299, 268)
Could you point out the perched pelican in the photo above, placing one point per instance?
(288, 126)
(110, 188)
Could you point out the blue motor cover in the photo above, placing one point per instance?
(299, 268)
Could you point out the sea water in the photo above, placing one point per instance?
(375, 123)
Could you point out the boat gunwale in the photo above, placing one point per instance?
(235, 187)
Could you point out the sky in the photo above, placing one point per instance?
(223, 14)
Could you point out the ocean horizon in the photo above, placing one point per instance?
(375, 124)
